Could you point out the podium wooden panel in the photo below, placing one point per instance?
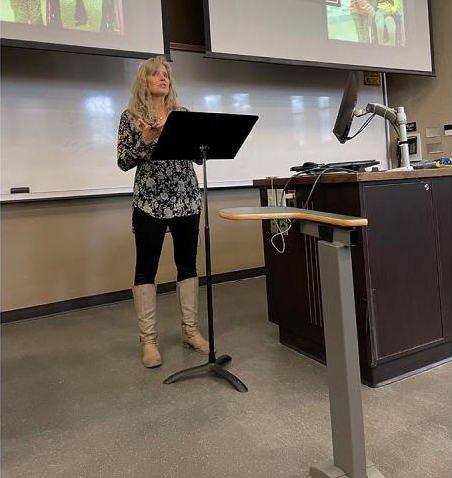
(401, 269)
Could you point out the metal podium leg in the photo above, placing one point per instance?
(342, 356)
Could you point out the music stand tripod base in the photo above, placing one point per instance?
(214, 369)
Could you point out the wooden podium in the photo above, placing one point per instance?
(336, 235)
(401, 269)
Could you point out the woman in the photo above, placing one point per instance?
(362, 12)
(166, 194)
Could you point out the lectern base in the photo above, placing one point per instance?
(210, 368)
(329, 470)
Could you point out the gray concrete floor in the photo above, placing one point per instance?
(76, 401)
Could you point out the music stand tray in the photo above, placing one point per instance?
(200, 137)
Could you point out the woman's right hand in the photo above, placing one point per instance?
(149, 133)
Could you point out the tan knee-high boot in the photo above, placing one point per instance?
(144, 297)
(187, 293)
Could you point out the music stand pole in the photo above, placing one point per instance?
(204, 150)
(213, 366)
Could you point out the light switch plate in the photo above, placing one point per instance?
(435, 148)
(433, 132)
(418, 155)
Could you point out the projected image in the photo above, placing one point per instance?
(84, 15)
(378, 22)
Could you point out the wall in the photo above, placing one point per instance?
(66, 249)
(59, 250)
(427, 100)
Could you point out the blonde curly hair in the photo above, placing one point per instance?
(140, 103)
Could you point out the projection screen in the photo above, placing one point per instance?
(132, 28)
(381, 35)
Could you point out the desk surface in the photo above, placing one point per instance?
(259, 213)
(359, 177)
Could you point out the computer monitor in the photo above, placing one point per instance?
(345, 114)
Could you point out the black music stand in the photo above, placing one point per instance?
(201, 137)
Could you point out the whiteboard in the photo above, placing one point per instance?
(60, 115)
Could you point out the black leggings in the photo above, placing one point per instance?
(149, 236)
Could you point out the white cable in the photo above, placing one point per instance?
(273, 192)
(282, 232)
(326, 170)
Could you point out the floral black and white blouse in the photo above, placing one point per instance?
(163, 189)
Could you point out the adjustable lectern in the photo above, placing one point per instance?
(336, 234)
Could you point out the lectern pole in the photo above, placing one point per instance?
(336, 234)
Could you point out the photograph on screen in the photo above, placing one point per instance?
(377, 22)
(104, 16)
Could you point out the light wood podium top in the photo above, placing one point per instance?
(358, 177)
(259, 213)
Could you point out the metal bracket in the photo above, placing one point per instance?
(328, 233)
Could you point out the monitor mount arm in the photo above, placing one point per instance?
(396, 118)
